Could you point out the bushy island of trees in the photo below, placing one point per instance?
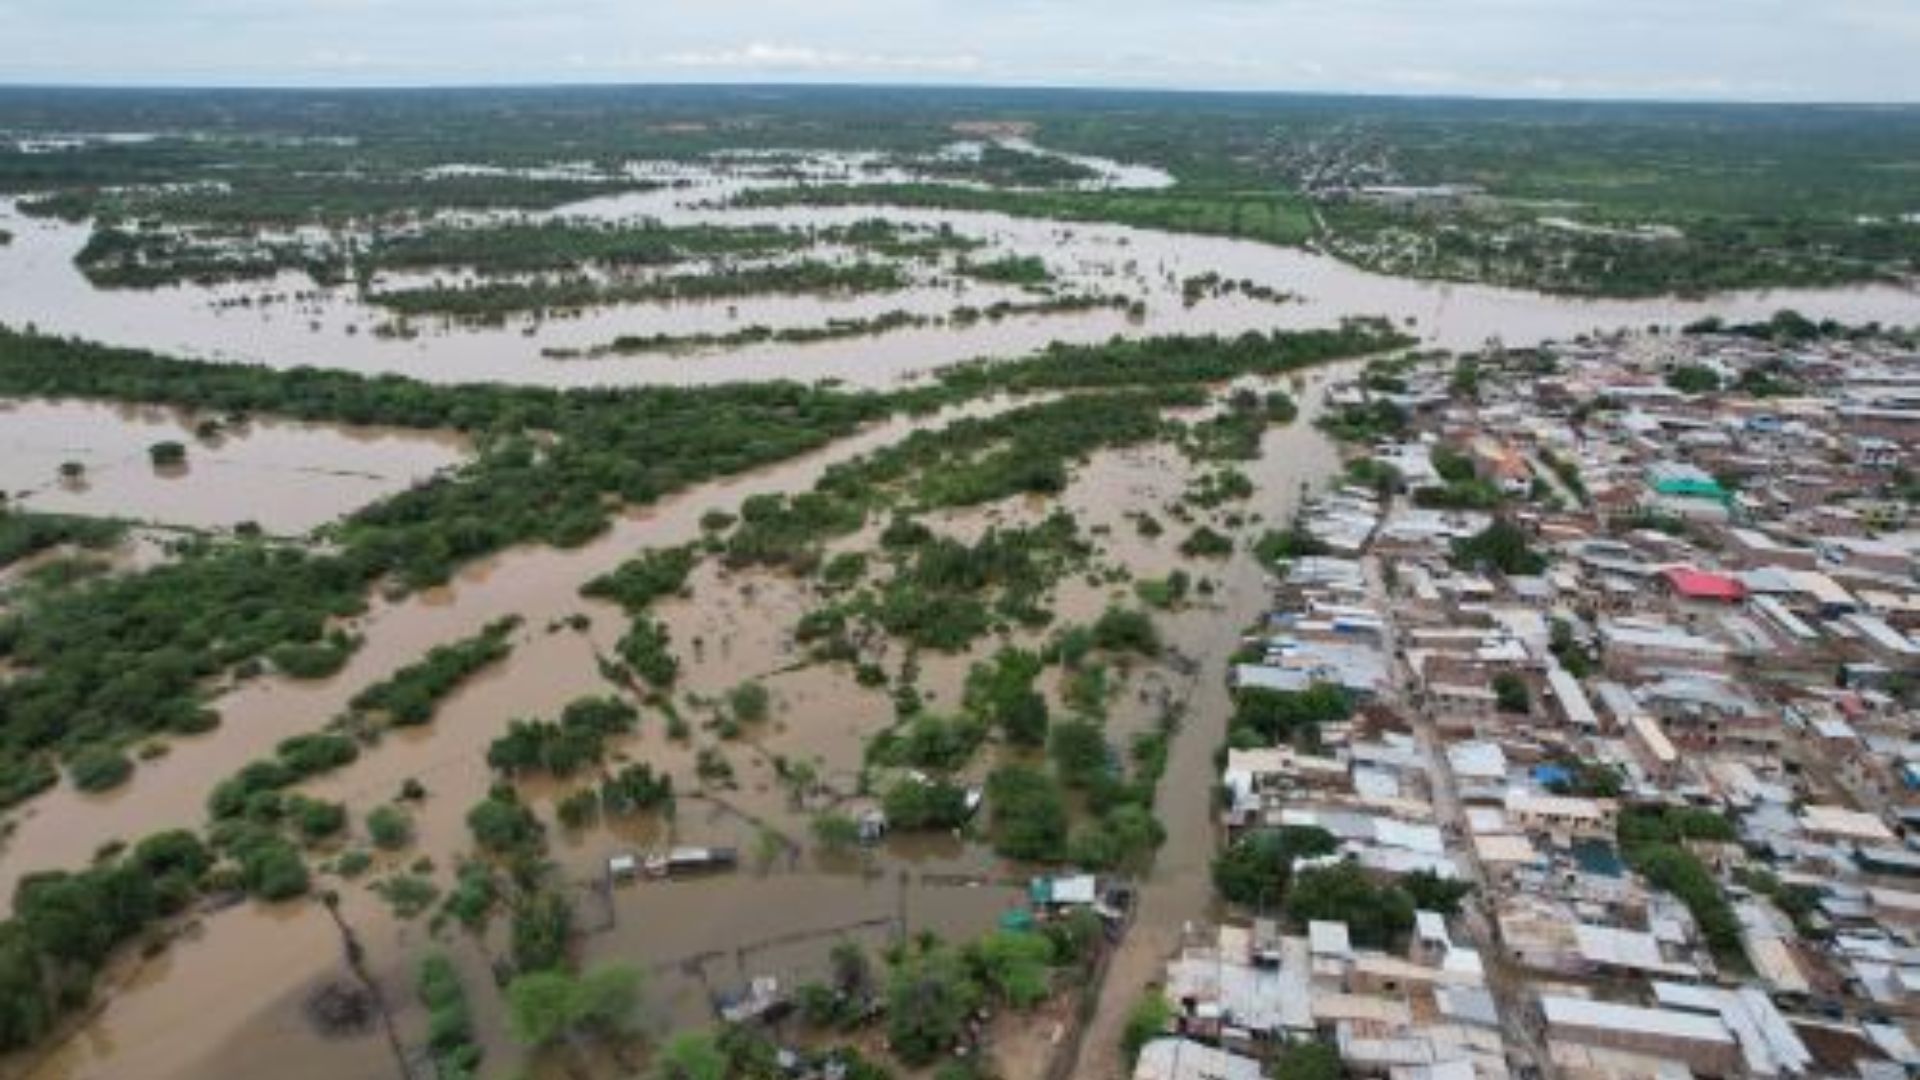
(150, 252)
(493, 300)
(839, 329)
(1270, 216)
(25, 532)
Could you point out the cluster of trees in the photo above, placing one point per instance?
(124, 656)
(1654, 842)
(66, 925)
(929, 741)
(1268, 216)
(494, 300)
(1367, 423)
(450, 1035)
(268, 194)
(1504, 546)
(1027, 271)
(638, 582)
(945, 593)
(1235, 434)
(1029, 814)
(647, 651)
(562, 747)
(1000, 690)
(551, 1006)
(503, 825)
(1461, 488)
(1262, 869)
(411, 695)
(1693, 379)
(522, 247)
(1257, 867)
(1183, 361)
(251, 790)
(24, 533)
(128, 655)
(1711, 253)
(1264, 717)
(1284, 545)
(934, 989)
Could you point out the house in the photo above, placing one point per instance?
(1687, 584)
(1561, 815)
(1185, 1059)
(1702, 1043)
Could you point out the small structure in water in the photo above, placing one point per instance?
(679, 861)
(761, 1000)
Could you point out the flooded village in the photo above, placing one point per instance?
(1054, 647)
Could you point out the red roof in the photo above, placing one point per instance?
(1700, 585)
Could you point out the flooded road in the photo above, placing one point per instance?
(285, 476)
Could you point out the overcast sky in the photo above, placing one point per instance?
(1851, 50)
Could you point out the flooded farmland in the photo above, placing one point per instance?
(782, 911)
(287, 477)
(289, 321)
(232, 994)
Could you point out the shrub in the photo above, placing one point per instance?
(390, 827)
(99, 768)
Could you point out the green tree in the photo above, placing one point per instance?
(836, 831)
(1308, 1061)
(1146, 1021)
(1029, 814)
(1256, 868)
(1015, 965)
(544, 1007)
(390, 827)
(929, 997)
(691, 1055)
(1503, 546)
(1376, 916)
(1079, 750)
(1510, 693)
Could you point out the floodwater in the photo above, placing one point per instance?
(286, 476)
(64, 827)
(780, 916)
(227, 1000)
(333, 328)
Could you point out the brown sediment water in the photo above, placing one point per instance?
(695, 937)
(64, 827)
(331, 327)
(228, 1001)
(285, 476)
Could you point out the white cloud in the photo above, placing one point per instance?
(760, 56)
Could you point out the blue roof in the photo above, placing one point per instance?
(1549, 775)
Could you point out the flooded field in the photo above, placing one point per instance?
(789, 902)
(285, 476)
(229, 996)
(333, 327)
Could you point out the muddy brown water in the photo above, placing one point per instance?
(693, 937)
(286, 476)
(227, 1000)
(331, 327)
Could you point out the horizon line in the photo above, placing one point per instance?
(400, 87)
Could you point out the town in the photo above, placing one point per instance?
(1578, 740)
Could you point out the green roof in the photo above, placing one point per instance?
(1690, 488)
